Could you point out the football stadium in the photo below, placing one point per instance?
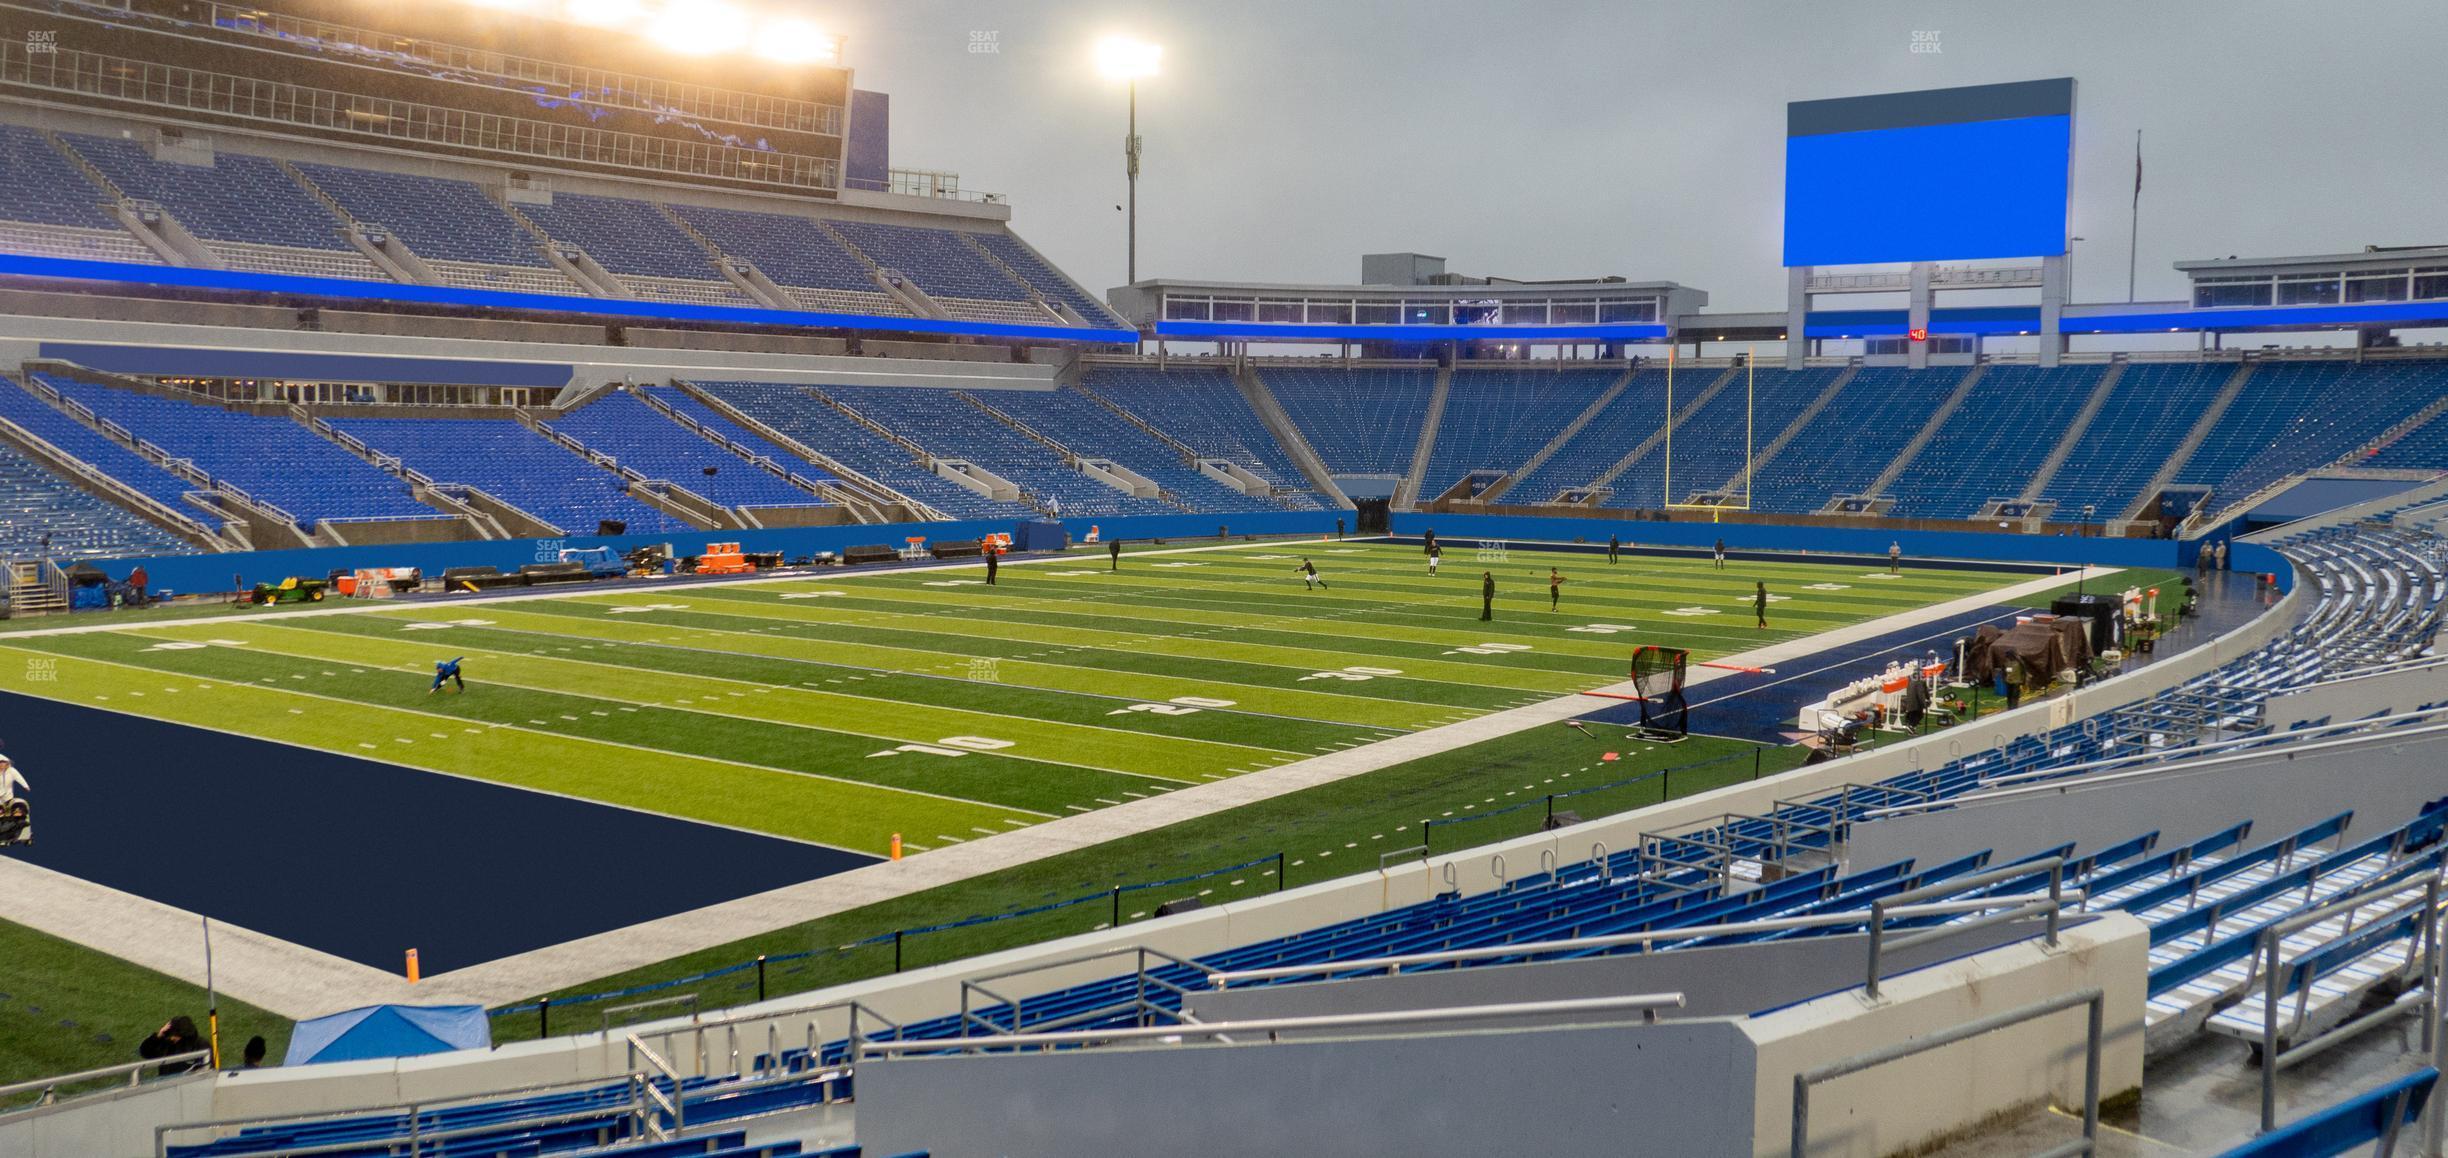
(566, 597)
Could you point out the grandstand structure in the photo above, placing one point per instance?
(309, 291)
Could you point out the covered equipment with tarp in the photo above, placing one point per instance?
(382, 1031)
(2043, 646)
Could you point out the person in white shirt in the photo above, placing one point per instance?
(16, 816)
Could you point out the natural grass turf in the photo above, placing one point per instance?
(736, 675)
(844, 708)
(65, 1008)
(1330, 831)
(2169, 583)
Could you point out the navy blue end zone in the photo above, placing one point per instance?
(1762, 707)
(359, 859)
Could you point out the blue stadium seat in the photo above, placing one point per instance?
(639, 437)
(1845, 447)
(1359, 421)
(45, 516)
(1093, 431)
(814, 423)
(2145, 418)
(268, 456)
(1990, 447)
(515, 465)
(951, 428)
(1207, 412)
(1495, 419)
(797, 253)
(20, 405)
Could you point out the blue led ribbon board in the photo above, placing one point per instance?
(1939, 175)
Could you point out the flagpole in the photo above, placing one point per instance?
(2133, 231)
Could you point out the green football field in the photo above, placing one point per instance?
(844, 708)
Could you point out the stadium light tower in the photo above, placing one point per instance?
(1124, 59)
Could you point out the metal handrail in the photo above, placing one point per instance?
(771, 1019)
(1139, 1002)
(134, 1070)
(675, 1104)
(2051, 906)
(2174, 766)
(412, 1111)
(1223, 979)
(2095, 1033)
(2211, 746)
(688, 999)
(1648, 1003)
(2425, 996)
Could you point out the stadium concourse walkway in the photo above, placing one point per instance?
(299, 981)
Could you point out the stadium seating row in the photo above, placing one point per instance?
(1837, 430)
(263, 215)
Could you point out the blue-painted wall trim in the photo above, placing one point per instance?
(345, 289)
(192, 573)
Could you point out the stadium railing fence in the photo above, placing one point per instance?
(892, 952)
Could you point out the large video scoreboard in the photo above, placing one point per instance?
(1941, 174)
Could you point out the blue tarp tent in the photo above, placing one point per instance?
(389, 1031)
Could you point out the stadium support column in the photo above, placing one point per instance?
(1917, 316)
(1797, 311)
(2054, 286)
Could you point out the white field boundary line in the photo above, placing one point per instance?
(301, 982)
(585, 959)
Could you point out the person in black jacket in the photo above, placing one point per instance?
(1114, 551)
(1614, 548)
(176, 1036)
(991, 563)
(1487, 595)
(1759, 604)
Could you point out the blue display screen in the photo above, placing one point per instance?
(1948, 175)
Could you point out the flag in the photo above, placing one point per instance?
(2137, 164)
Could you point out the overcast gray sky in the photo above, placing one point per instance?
(1553, 138)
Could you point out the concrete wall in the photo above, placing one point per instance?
(2383, 782)
(1724, 980)
(1677, 1088)
(1898, 1106)
(117, 1124)
(2355, 697)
